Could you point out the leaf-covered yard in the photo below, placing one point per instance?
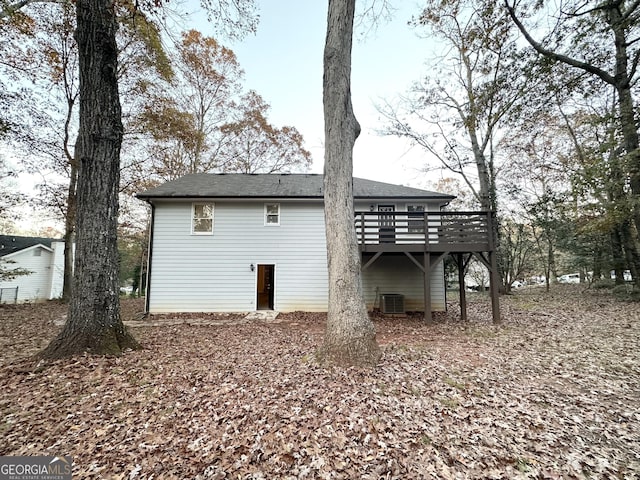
(554, 393)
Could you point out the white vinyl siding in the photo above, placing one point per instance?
(398, 274)
(212, 273)
(45, 283)
(202, 219)
(192, 273)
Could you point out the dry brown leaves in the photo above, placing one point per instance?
(554, 393)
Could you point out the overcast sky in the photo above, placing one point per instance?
(283, 63)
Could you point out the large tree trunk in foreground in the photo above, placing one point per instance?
(350, 337)
(94, 323)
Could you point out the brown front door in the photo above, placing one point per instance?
(266, 277)
(387, 227)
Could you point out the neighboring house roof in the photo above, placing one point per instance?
(11, 243)
(239, 185)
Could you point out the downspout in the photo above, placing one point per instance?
(147, 293)
(443, 206)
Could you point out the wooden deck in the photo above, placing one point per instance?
(434, 235)
(435, 232)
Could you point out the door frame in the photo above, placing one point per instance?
(386, 234)
(268, 271)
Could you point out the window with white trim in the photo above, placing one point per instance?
(202, 219)
(416, 218)
(272, 214)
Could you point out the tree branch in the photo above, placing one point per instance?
(632, 8)
(605, 76)
(11, 9)
(602, 6)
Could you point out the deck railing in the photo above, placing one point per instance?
(433, 231)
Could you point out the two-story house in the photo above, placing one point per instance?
(241, 242)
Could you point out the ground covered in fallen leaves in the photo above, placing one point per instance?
(553, 393)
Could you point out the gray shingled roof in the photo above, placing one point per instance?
(238, 185)
(13, 243)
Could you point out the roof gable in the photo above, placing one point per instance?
(10, 244)
(238, 185)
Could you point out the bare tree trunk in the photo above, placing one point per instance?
(624, 236)
(94, 323)
(487, 194)
(623, 81)
(484, 178)
(617, 254)
(597, 264)
(350, 335)
(69, 230)
(630, 250)
(70, 214)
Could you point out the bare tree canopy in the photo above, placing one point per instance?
(601, 39)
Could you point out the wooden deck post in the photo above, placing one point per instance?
(427, 286)
(463, 293)
(494, 285)
(494, 281)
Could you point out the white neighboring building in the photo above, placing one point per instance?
(42, 256)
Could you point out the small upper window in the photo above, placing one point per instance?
(202, 219)
(416, 218)
(37, 252)
(272, 214)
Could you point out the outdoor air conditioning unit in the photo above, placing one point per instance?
(392, 303)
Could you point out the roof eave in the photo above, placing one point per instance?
(442, 197)
(24, 250)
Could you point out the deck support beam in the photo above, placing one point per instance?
(463, 291)
(370, 261)
(416, 262)
(427, 287)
